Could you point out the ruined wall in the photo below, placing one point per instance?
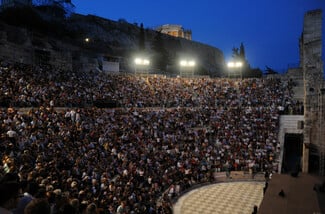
(312, 66)
(20, 45)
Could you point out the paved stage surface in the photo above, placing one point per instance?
(240, 197)
(225, 198)
(300, 196)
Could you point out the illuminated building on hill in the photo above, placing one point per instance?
(175, 30)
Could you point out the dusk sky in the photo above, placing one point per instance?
(269, 29)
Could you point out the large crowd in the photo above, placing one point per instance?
(164, 136)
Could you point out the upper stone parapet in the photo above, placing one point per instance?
(312, 26)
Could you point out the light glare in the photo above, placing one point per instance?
(239, 64)
(140, 61)
(234, 64)
(186, 63)
(191, 63)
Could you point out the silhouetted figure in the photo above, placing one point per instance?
(38, 206)
(320, 187)
(281, 193)
(9, 192)
(265, 187)
(295, 174)
(254, 210)
(266, 175)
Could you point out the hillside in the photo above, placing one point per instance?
(43, 35)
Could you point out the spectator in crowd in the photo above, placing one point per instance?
(167, 134)
(10, 192)
(29, 189)
(38, 206)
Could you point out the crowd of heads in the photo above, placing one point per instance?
(166, 135)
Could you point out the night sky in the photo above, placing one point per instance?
(269, 29)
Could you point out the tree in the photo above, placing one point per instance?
(254, 73)
(239, 53)
(141, 38)
(269, 70)
(235, 53)
(242, 52)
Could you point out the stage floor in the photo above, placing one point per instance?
(240, 197)
(300, 196)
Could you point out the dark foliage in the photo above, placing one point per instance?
(141, 38)
(29, 18)
(253, 73)
(269, 70)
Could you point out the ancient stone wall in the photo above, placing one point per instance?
(312, 67)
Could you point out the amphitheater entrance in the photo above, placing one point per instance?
(313, 163)
(292, 153)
